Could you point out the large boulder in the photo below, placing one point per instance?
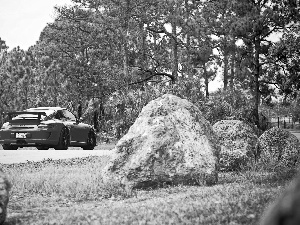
(286, 209)
(170, 141)
(4, 196)
(279, 148)
(237, 141)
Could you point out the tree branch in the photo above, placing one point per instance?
(153, 74)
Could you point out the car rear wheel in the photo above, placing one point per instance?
(64, 140)
(91, 141)
(9, 147)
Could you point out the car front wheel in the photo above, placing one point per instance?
(91, 141)
(64, 140)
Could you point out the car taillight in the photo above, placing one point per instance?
(5, 126)
(46, 126)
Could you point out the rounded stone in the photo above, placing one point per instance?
(237, 142)
(4, 196)
(278, 147)
(170, 142)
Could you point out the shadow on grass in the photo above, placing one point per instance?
(12, 221)
(270, 179)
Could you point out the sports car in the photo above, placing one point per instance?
(44, 128)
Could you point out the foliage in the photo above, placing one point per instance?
(3, 46)
(17, 82)
(295, 109)
(123, 107)
(230, 104)
(285, 58)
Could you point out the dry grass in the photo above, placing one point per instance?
(72, 192)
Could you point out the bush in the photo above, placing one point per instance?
(123, 107)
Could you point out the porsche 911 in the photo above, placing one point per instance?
(44, 128)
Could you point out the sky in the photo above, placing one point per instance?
(21, 22)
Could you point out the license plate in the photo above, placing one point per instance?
(21, 135)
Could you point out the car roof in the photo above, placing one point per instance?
(45, 109)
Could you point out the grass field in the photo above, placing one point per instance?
(72, 192)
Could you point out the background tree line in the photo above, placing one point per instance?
(111, 57)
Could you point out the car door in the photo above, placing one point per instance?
(78, 133)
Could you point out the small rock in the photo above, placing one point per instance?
(237, 140)
(277, 147)
(4, 196)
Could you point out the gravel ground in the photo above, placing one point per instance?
(32, 154)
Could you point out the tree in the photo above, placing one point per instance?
(3, 46)
(16, 76)
(203, 60)
(284, 59)
(256, 21)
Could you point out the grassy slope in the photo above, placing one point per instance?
(71, 192)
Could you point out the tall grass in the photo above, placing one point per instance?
(75, 179)
(72, 192)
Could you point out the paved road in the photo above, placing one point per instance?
(296, 133)
(31, 154)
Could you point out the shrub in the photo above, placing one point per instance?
(123, 107)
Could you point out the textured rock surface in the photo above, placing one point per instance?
(4, 196)
(286, 209)
(170, 141)
(237, 141)
(278, 147)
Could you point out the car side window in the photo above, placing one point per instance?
(59, 115)
(68, 115)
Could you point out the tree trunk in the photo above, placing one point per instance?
(188, 40)
(225, 81)
(125, 38)
(55, 89)
(79, 110)
(175, 52)
(206, 81)
(95, 120)
(232, 70)
(256, 82)
(125, 58)
(143, 45)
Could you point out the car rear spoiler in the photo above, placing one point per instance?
(12, 114)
